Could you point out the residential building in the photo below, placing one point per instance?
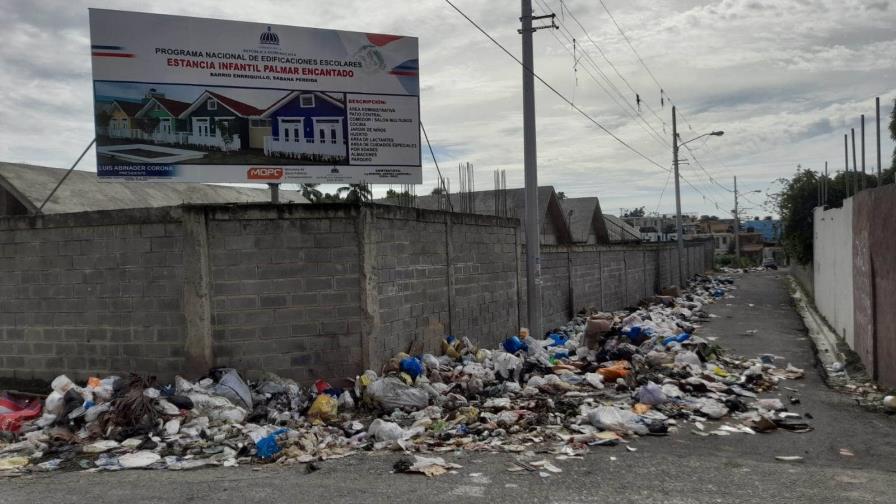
(586, 222)
(24, 187)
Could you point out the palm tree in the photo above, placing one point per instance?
(355, 193)
(311, 192)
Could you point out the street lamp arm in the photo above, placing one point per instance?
(712, 133)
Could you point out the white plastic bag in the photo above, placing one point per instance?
(381, 430)
(391, 393)
(616, 420)
(508, 365)
(651, 394)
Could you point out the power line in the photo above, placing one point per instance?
(656, 81)
(567, 100)
(660, 201)
(652, 133)
(635, 114)
(554, 90)
(627, 83)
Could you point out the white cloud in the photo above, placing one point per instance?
(784, 78)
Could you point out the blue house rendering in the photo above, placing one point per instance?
(309, 125)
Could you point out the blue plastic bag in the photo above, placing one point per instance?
(681, 338)
(412, 366)
(513, 345)
(558, 339)
(267, 446)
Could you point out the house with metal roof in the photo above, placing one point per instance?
(586, 221)
(24, 187)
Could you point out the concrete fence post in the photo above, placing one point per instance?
(449, 259)
(370, 313)
(198, 347)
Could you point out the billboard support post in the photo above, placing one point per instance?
(275, 193)
(41, 207)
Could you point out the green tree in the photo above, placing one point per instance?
(561, 195)
(637, 212)
(438, 190)
(355, 193)
(893, 136)
(311, 192)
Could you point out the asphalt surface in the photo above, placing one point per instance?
(681, 468)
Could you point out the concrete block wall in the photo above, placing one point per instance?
(485, 285)
(411, 268)
(285, 292)
(88, 295)
(303, 291)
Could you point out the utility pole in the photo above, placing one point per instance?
(533, 230)
(824, 197)
(678, 227)
(863, 151)
(736, 226)
(275, 193)
(880, 179)
(855, 167)
(846, 163)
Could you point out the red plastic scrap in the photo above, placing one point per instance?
(16, 410)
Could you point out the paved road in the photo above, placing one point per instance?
(682, 468)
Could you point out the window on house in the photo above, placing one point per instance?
(259, 123)
(332, 136)
(211, 104)
(306, 101)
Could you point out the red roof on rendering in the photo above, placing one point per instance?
(239, 107)
(174, 107)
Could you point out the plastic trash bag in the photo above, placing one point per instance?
(412, 366)
(616, 370)
(688, 359)
(15, 410)
(514, 344)
(323, 408)
(267, 446)
(651, 394)
(232, 386)
(391, 393)
(381, 430)
(508, 365)
(616, 420)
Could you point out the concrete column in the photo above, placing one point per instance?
(370, 312)
(449, 257)
(572, 291)
(198, 347)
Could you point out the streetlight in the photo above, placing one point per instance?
(675, 146)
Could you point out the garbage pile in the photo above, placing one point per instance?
(600, 380)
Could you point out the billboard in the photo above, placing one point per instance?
(202, 100)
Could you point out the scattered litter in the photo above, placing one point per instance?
(789, 458)
(429, 466)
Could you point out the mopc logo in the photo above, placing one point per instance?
(265, 173)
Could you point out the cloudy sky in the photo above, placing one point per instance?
(785, 79)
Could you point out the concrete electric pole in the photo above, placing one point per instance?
(736, 227)
(678, 227)
(533, 228)
(880, 180)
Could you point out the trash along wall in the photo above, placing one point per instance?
(304, 291)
